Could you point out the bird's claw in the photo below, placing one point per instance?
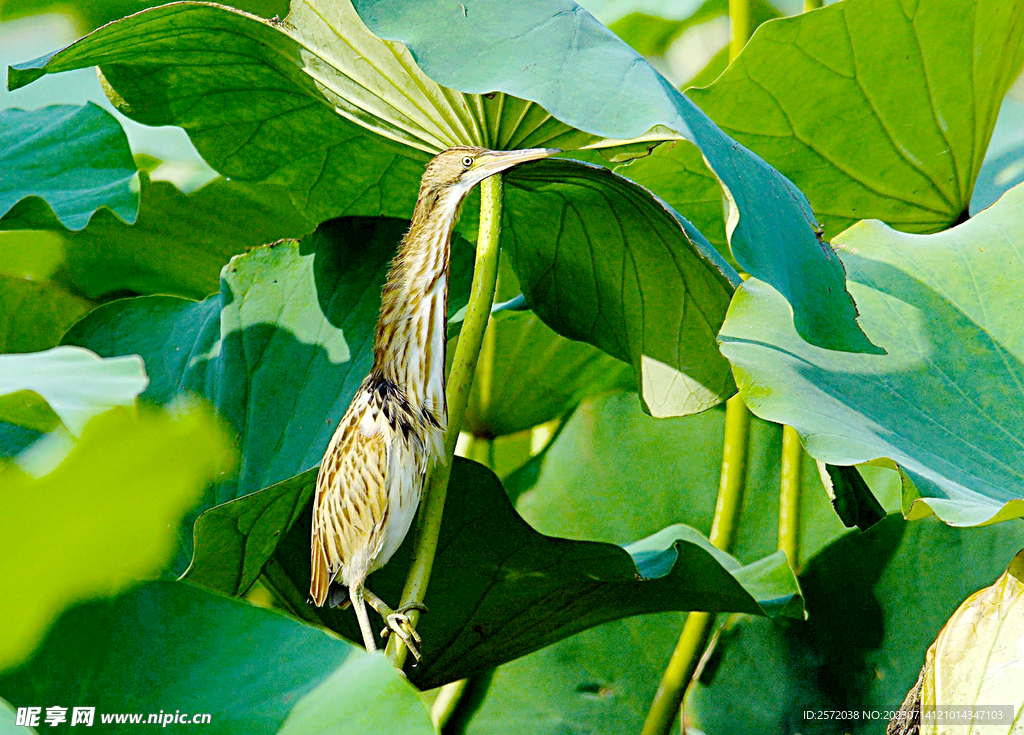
(399, 622)
(412, 606)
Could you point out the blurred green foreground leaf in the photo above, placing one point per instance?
(88, 520)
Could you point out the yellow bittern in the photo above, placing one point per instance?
(371, 477)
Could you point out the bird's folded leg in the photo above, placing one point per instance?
(398, 621)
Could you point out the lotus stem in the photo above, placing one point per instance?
(697, 629)
(789, 495)
(739, 26)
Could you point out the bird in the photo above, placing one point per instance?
(370, 480)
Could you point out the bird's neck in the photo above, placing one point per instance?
(411, 340)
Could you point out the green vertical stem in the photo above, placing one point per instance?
(789, 495)
(698, 626)
(739, 26)
(481, 448)
(680, 669)
(484, 380)
(460, 382)
(734, 474)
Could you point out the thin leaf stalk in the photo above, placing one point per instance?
(680, 669)
(733, 479)
(813, 5)
(789, 495)
(699, 625)
(484, 379)
(739, 26)
(480, 448)
(460, 382)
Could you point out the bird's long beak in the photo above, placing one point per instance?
(494, 162)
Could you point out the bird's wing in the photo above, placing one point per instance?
(351, 505)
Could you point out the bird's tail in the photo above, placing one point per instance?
(355, 593)
(320, 579)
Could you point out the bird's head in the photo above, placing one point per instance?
(457, 170)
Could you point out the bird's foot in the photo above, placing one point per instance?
(400, 616)
(398, 622)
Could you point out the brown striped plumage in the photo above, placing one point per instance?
(371, 476)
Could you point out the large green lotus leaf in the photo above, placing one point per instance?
(946, 401)
(819, 97)
(600, 259)
(314, 102)
(34, 315)
(558, 55)
(859, 649)
(536, 375)
(587, 484)
(170, 647)
(178, 244)
(100, 513)
(279, 352)
(67, 161)
(499, 589)
(66, 385)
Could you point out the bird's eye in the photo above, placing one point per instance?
(467, 161)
